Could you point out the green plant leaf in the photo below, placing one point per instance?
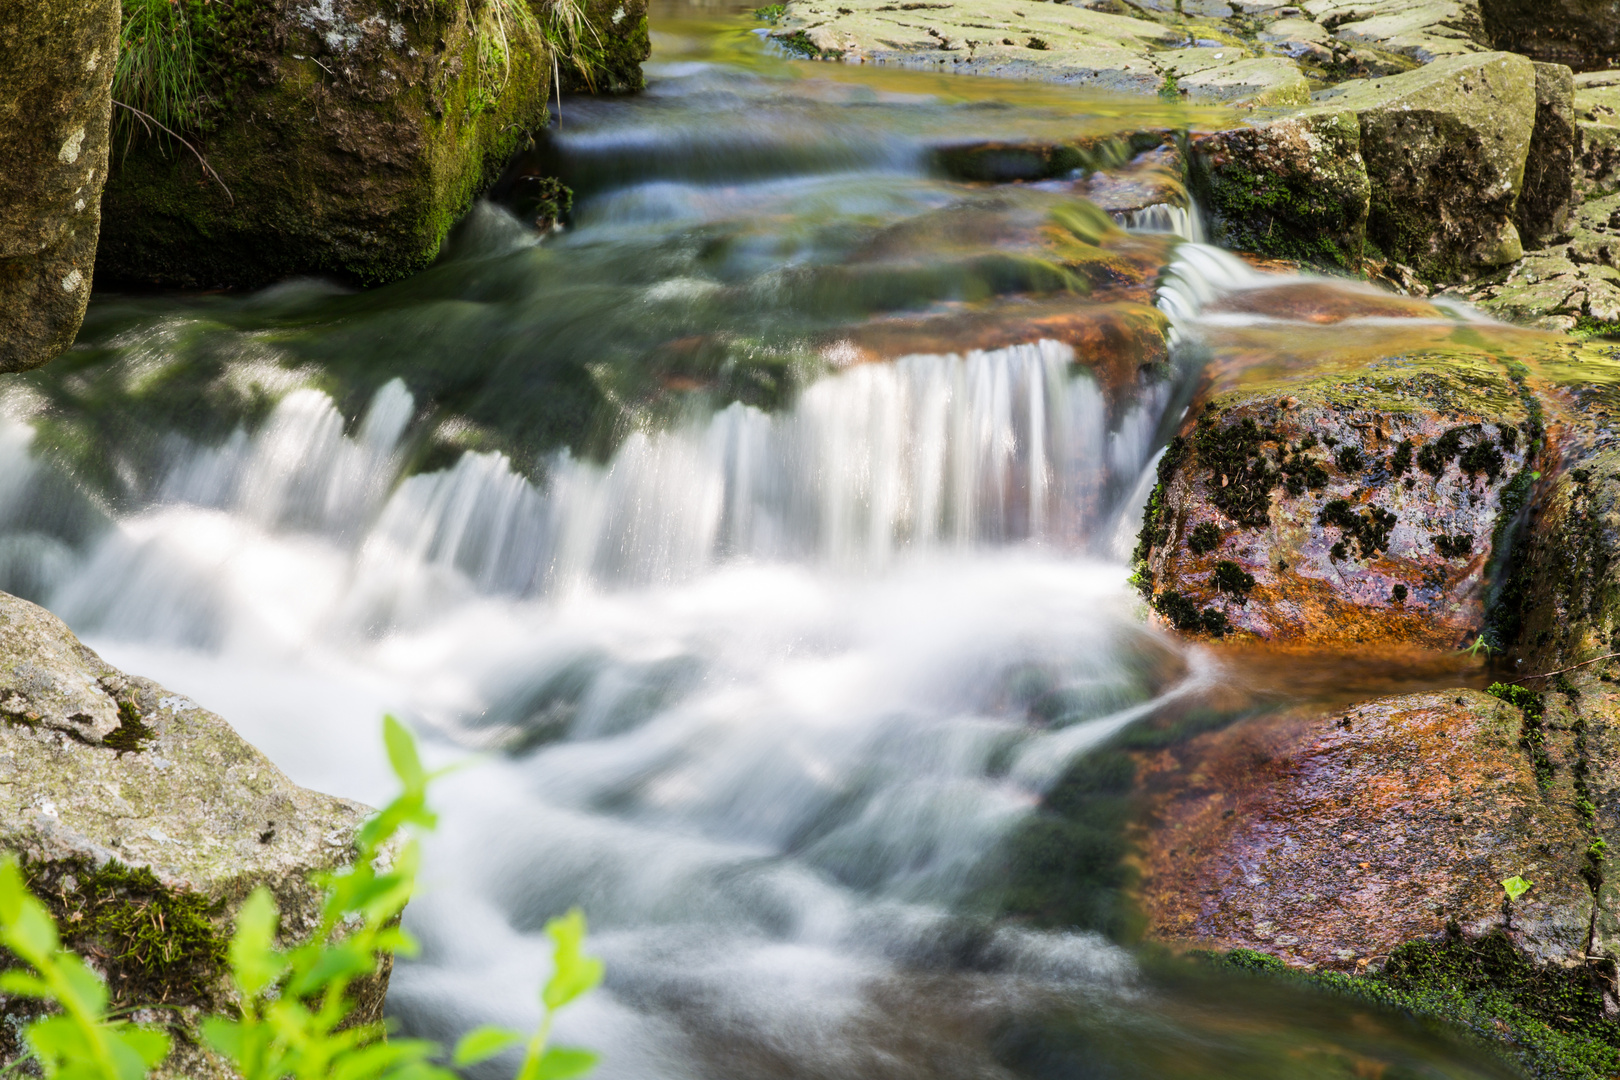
(575, 972)
(225, 1036)
(22, 984)
(255, 963)
(481, 1044)
(402, 755)
(563, 1062)
(1516, 887)
(147, 1045)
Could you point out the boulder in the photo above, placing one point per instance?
(143, 821)
(56, 68)
(1294, 188)
(1445, 148)
(1355, 505)
(1584, 34)
(341, 138)
(1548, 193)
(1331, 840)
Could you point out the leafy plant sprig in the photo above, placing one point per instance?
(296, 1017)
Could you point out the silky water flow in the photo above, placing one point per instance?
(773, 681)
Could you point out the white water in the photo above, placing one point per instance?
(751, 690)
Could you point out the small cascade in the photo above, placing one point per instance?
(1183, 221)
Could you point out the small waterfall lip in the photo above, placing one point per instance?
(1186, 222)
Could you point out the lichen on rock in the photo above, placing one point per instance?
(56, 64)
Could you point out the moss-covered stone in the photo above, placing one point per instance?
(1332, 488)
(346, 139)
(1548, 193)
(612, 48)
(144, 821)
(56, 65)
(1445, 148)
(1295, 188)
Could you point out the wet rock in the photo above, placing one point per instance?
(1445, 148)
(1582, 34)
(1294, 188)
(1156, 178)
(1548, 193)
(1329, 840)
(1351, 506)
(116, 794)
(56, 64)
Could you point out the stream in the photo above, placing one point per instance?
(766, 639)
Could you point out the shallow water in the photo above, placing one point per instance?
(765, 655)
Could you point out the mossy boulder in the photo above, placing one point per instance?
(1597, 118)
(346, 137)
(1354, 505)
(1294, 188)
(143, 821)
(1445, 148)
(1584, 34)
(56, 64)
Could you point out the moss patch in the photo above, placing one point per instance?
(1548, 1020)
(157, 945)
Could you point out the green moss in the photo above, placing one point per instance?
(131, 735)
(1240, 474)
(1532, 733)
(1155, 519)
(1369, 529)
(1546, 1019)
(1231, 579)
(1204, 539)
(158, 945)
(770, 13)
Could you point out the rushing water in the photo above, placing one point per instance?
(768, 656)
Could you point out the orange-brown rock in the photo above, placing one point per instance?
(1322, 302)
(1328, 840)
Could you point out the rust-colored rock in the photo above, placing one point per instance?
(1322, 302)
(1328, 840)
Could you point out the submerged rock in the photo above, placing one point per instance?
(56, 63)
(1330, 840)
(143, 821)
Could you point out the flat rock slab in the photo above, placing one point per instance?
(1052, 42)
(1330, 840)
(1425, 30)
